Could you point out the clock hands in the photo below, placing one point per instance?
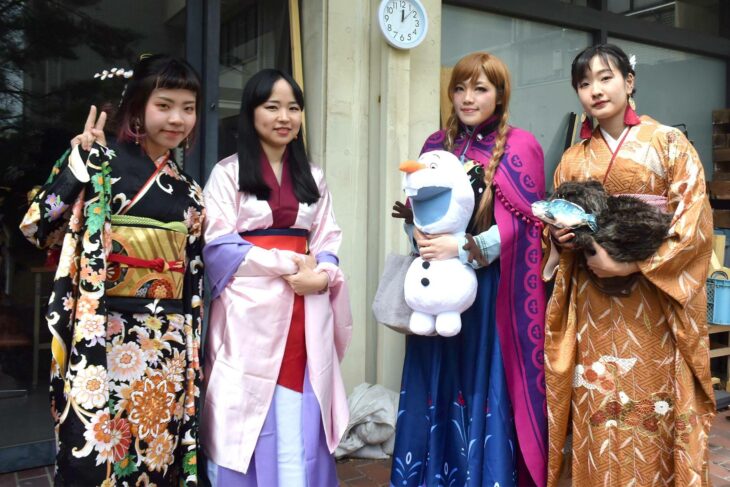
(402, 16)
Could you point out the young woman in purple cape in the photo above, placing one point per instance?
(472, 406)
(275, 407)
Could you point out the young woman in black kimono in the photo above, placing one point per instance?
(126, 307)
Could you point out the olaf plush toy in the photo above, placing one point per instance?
(442, 200)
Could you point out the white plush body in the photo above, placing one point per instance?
(442, 200)
(451, 289)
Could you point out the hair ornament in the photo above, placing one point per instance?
(632, 62)
(114, 73)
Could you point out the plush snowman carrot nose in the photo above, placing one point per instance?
(442, 200)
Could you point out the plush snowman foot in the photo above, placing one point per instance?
(448, 324)
(422, 323)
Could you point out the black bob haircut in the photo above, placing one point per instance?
(250, 178)
(150, 73)
(609, 53)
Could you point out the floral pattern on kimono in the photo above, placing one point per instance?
(125, 372)
(633, 372)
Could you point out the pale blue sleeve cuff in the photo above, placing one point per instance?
(488, 243)
(464, 255)
(408, 228)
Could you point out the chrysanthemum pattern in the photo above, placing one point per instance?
(125, 369)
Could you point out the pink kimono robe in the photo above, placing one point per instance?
(250, 317)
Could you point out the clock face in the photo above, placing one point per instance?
(403, 22)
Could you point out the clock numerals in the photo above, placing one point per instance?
(403, 22)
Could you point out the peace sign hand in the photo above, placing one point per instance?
(93, 131)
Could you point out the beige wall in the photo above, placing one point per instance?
(369, 106)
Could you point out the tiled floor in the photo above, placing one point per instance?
(375, 473)
(35, 477)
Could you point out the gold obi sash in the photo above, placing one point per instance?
(147, 258)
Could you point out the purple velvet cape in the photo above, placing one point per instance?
(518, 182)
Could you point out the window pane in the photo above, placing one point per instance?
(254, 36)
(669, 90)
(50, 53)
(697, 15)
(538, 57)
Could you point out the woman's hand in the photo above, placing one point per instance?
(402, 211)
(562, 237)
(436, 247)
(603, 265)
(475, 253)
(306, 280)
(93, 131)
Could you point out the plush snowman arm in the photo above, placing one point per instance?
(488, 243)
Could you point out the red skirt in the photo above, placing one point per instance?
(291, 373)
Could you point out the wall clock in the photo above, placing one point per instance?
(404, 23)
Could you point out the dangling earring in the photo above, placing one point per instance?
(630, 116)
(135, 125)
(586, 127)
(187, 143)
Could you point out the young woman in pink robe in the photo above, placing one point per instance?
(275, 407)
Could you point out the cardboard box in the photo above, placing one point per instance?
(721, 155)
(718, 248)
(719, 190)
(719, 141)
(721, 116)
(721, 218)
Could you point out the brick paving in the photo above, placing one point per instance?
(376, 473)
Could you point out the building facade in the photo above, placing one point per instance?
(368, 107)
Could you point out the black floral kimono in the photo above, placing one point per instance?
(125, 314)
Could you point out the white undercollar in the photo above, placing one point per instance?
(613, 143)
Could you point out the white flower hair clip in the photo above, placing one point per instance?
(632, 62)
(114, 72)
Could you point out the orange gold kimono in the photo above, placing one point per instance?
(634, 370)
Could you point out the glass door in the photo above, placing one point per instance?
(254, 34)
(50, 53)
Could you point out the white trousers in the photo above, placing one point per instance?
(289, 441)
(289, 438)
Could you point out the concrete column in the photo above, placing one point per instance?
(369, 107)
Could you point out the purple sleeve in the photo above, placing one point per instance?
(326, 256)
(222, 258)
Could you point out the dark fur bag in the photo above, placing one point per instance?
(629, 229)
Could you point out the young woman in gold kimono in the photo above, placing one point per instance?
(626, 348)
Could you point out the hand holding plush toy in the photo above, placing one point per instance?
(442, 200)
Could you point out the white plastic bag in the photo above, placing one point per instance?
(371, 431)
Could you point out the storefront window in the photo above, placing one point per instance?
(49, 53)
(254, 35)
(669, 90)
(538, 56)
(697, 15)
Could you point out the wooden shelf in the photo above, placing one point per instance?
(720, 352)
(717, 329)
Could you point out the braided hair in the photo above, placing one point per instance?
(469, 68)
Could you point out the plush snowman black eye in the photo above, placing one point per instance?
(433, 165)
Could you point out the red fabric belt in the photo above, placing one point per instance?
(295, 243)
(158, 265)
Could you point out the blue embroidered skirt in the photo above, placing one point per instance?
(455, 424)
